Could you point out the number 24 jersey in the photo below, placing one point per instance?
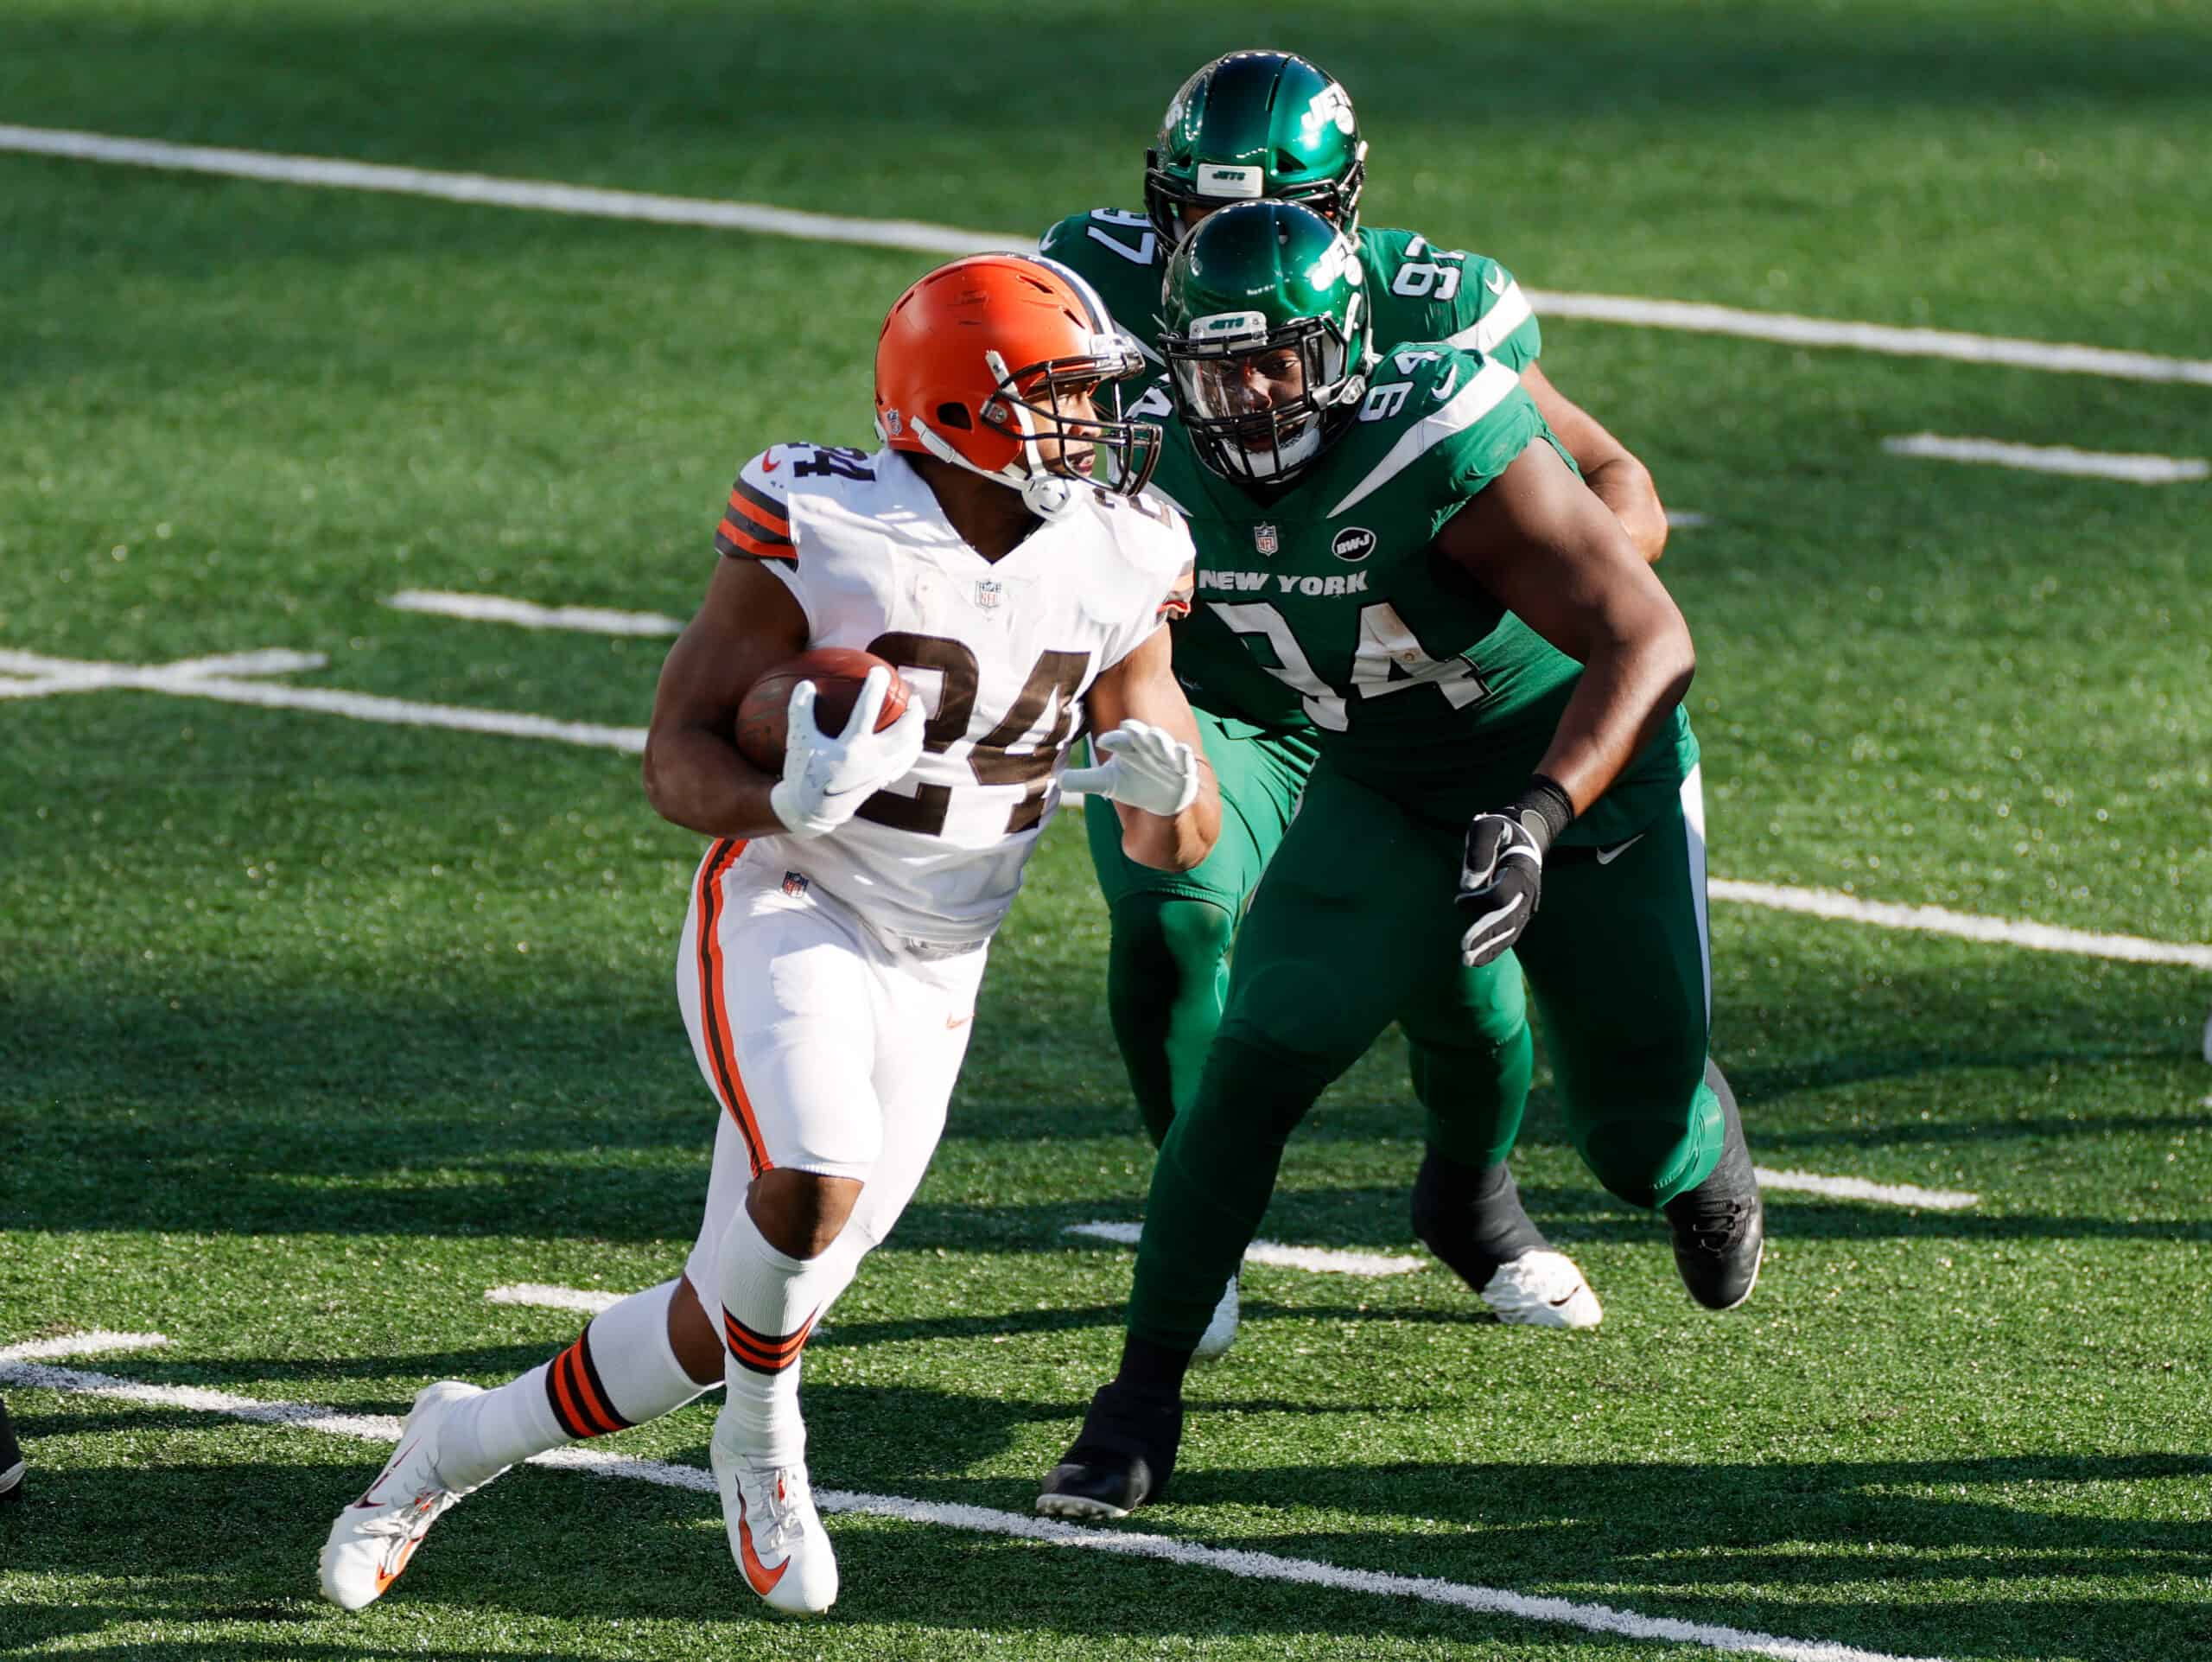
(1001, 654)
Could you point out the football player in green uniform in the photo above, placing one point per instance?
(1272, 124)
(1494, 678)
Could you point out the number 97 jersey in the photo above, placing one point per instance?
(1001, 654)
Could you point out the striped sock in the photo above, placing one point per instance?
(620, 1371)
(769, 1305)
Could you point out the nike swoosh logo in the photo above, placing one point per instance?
(1567, 1299)
(1450, 381)
(1494, 280)
(952, 1021)
(770, 463)
(763, 1579)
(1606, 857)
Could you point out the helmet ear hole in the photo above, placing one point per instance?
(954, 415)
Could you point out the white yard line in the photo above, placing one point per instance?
(1687, 521)
(1859, 1188)
(1326, 1260)
(96, 1341)
(191, 679)
(221, 677)
(2052, 459)
(541, 1296)
(1254, 1566)
(1965, 925)
(476, 187)
(497, 608)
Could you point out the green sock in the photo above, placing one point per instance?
(1210, 1187)
(1475, 1099)
(1166, 976)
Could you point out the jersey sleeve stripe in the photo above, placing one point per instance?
(769, 528)
(1490, 386)
(759, 506)
(1487, 332)
(735, 539)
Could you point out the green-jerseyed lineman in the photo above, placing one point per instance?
(1271, 125)
(1494, 679)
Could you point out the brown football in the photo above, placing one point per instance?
(836, 673)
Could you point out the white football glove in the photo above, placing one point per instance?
(1146, 767)
(826, 780)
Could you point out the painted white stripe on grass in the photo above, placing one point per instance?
(1327, 1260)
(184, 681)
(1687, 521)
(1793, 330)
(1859, 1188)
(477, 188)
(944, 239)
(542, 1297)
(98, 1341)
(1966, 926)
(2052, 458)
(1253, 1566)
(496, 608)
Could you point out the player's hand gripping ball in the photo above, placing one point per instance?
(838, 673)
(826, 773)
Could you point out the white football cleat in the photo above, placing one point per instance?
(1543, 1288)
(1221, 1328)
(775, 1534)
(375, 1537)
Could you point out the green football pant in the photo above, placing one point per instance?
(1354, 927)
(1167, 966)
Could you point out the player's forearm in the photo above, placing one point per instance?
(1627, 693)
(696, 779)
(1176, 842)
(1625, 485)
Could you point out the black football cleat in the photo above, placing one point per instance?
(1122, 1457)
(1720, 1225)
(11, 1462)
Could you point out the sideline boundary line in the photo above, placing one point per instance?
(1693, 317)
(17, 1367)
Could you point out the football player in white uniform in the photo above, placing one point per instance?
(829, 965)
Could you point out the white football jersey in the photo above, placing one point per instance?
(999, 655)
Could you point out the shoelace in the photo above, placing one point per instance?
(787, 1498)
(404, 1522)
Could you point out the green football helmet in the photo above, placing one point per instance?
(1268, 339)
(1255, 124)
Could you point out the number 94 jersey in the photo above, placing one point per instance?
(1000, 653)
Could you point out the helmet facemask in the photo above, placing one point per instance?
(1260, 405)
(1042, 401)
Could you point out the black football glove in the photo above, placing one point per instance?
(1501, 871)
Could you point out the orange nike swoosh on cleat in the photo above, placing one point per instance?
(763, 1579)
(385, 1577)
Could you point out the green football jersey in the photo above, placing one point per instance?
(1417, 293)
(1417, 684)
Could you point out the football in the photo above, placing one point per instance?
(836, 673)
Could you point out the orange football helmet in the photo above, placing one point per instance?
(975, 362)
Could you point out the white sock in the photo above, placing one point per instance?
(620, 1371)
(769, 1304)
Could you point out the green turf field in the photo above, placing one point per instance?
(313, 1030)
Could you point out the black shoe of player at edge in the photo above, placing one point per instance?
(11, 1462)
(1122, 1457)
(1720, 1225)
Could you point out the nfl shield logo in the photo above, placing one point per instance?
(794, 884)
(987, 593)
(1264, 538)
